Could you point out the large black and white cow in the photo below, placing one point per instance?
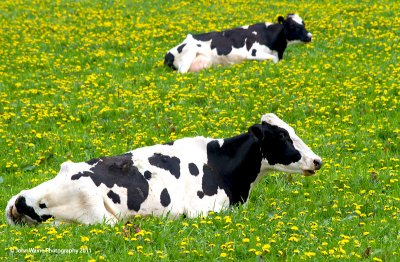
(190, 176)
(260, 41)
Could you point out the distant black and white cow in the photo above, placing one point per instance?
(190, 176)
(260, 41)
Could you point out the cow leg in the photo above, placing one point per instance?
(199, 63)
(99, 216)
(186, 60)
(94, 208)
(258, 55)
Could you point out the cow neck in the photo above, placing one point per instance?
(236, 164)
(278, 41)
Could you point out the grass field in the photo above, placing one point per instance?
(82, 79)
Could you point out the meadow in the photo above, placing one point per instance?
(83, 79)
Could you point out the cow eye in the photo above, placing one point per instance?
(42, 205)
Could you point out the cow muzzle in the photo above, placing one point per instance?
(18, 212)
(13, 216)
(316, 165)
(308, 38)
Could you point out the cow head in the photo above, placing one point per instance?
(28, 207)
(282, 149)
(60, 198)
(295, 29)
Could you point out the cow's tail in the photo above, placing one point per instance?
(169, 60)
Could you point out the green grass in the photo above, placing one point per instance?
(81, 79)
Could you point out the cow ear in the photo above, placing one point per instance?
(257, 131)
(281, 19)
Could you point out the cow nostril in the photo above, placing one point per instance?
(317, 164)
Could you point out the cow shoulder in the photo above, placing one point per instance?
(232, 166)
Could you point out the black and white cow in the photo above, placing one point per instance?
(260, 41)
(189, 176)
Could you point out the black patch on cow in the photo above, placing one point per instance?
(272, 36)
(223, 47)
(171, 143)
(193, 169)
(42, 205)
(165, 198)
(200, 194)
(24, 209)
(147, 175)
(199, 45)
(46, 217)
(210, 181)
(232, 167)
(114, 197)
(169, 60)
(254, 52)
(206, 37)
(224, 41)
(276, 145)
(120, 171)
(180, 48)
(92, 161)
(168, 163)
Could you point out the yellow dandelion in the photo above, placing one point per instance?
(84, 239)
(266, 248)
(294, 239)
(309, 254)
(246, 240)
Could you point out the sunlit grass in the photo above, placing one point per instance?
(81, 79)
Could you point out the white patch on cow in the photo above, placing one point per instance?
(237, 55)
(245, 27)
(262, 53)
(220, 142)
(294, 42)
(201, 207)
(69, 167)
(308, 157)
(254, 33)
(296, 18)
(117, 210)
(267, 24)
